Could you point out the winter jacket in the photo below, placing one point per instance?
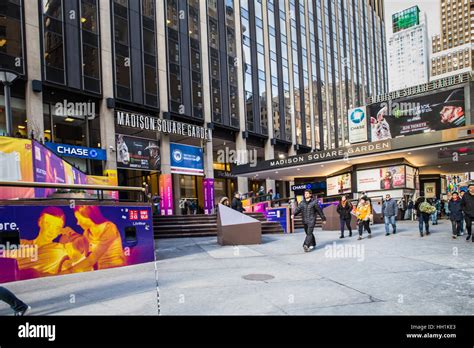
(389, 208)
(363, 211)
(344, 211)
(456, 210)
(237, 205)
(468, 204)
(309, 211)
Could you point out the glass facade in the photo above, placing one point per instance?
(135, 54)
(11, 36)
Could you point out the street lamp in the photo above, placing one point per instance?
(7, 77)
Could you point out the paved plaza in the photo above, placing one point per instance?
(402, 274)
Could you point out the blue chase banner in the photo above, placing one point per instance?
(186, 159)
(65, 150)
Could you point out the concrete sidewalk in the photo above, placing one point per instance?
(128, 290)
(398, 274)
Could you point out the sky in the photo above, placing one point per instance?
(432, 8)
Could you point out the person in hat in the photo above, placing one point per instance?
(467, 205)
(309, 207)
(154, 151)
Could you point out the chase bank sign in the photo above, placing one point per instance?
(65, 150)
(357, 121)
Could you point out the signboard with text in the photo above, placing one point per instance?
(137, 153)
(357, 125)
(186, 159)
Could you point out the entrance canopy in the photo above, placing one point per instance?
(441, 152)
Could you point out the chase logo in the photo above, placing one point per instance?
(357, 116)
(177, 155)
(93, 153)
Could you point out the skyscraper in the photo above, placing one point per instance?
(452, 49)
(408, 54)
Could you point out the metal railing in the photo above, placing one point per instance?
(98, 188)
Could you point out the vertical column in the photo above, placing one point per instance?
(269, 149)
(166, 182)
(34, 100)
(107, 120)
(292, 150)
(208, 182)
(240, 142)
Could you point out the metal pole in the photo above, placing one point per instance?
(8, 109)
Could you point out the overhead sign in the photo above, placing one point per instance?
(186, 159)
(357, 125)
(151, 123)
(402, 117)
(66, 150)
(406, 19)
(311, 186)
(338, 185)
(137, 153)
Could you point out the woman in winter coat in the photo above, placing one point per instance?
(456, 215)
(344, 209)
(363, 213)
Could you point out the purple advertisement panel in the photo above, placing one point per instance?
(208, 185)
(79, 177)
(166, 193)
(47, 168)
(41, 241)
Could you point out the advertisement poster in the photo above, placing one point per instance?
(338, 185)
(53, 240)
(279, 215)
(186, 159)
(387, 178)
(410, 177)
(208, 185)
(48, 168)
(137, 153)
(166, 194)
(357, 124)
(16, 164)
(430, 189)
(408, 116)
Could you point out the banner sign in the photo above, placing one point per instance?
(314, 186)
(279, 215)
(77, 151)
(166, 194)
(357, 125)
(338, 185)
(147, 122)
(68, 237)
(16, 164)
(386, 178)
(401, 117)
(186, 159)
(208, 185)
(137, 153)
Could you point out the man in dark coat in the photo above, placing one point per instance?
(237, 203)
(309, 208)
(467, 204)
(456, 215)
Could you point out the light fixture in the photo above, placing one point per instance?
(3, 42)
(47, 131)
(6, 78)
(409, 153)
(83, 20)
(69, 119)
(281, 156)
(21, 127)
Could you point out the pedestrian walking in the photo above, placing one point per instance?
(434, 215)
(461, 195)
(467, 204)
(344, 209)
(389, 213)
(309, 207)
(237, 203)
(19, 307)
(456, 214)
(364, 214)
(409, 212)
(423, 211)
(402, 206)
